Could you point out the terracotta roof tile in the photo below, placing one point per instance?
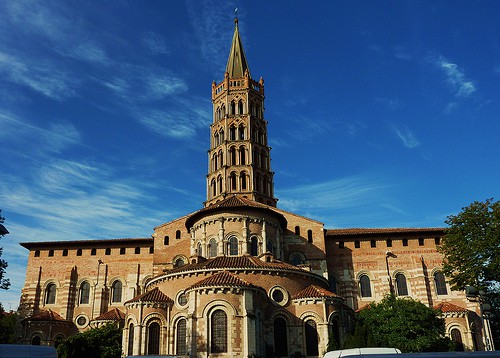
(245, 262)
(234, 202)
(46, 315)
(223, 278)
(378, 231)
(155, 295)
(112, 315)
(314, 291)
(447, 307)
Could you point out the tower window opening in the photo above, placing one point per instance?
(233, 181)
(65, 252)
(254, 246)
(166, 240)
(212, 248)
(79, 252)
(232, 155)
(263, 160)
(51, 253)
(373, 243)
(37, 253)
(122, 251)
(107, 251)
(178, 235)
(241, 132)
(240, 107)
(215, 163)
(199, 249)
(357, 244)
(50, 294)
(388, 242)
(309, 236)
(232, 133)
(213, 187)
(420, 241)
(221, 136)
(219, 181)
(405, 242)
(243, 179)
(233, 108)
(137, 250)
(297, 230)
(242, 156)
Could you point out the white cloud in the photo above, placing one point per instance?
(406, 136)
(155, 44)
(462, 86)
(41, 76)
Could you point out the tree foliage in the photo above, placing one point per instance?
(8, 322)
(401, 323)
(471, 246)
(104, 342)
(4, 282)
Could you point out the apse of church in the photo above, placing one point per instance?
(239, 277)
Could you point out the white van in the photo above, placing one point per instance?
(359, 351)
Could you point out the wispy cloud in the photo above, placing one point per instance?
(210, 23)
(406, 136)
(40, 76)
(456, 78)
(178, 122)
(155, 43)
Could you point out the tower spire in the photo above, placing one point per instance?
(237, 62)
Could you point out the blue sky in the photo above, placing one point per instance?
(381, 113)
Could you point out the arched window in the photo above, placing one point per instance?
(456, 336)
(153, 338)
(263, 160)
(254, 246)
(180, 337)
(223, 110)
(402, 288)
(219, 182)
(50, 294)
(232, 155)
(84, 293)
(297, 230)
(58, 340)
(311, 338)
(440, 283)
(177, 234)
(37, 253)
(215, 165)
(212, 248)
(232, 178)
(116, 291)
(309, 236)
(240, 107)
(199, 249)
(259, 183)
(241, 132)
(166, 240)
(213, 188)
(243, 181)
(233, 107)
(233, 246)
(232, 133)
(364, 286)
(242, 156)
(216, 139)
(332, 280)
(36, 340)
(221, 157)
(280, 337)
(130, 347)
(218, 332)
(79, 252)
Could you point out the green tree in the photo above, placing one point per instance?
(7, 326)
(104, 342)
(401, 323)
(4, 282)
(471, 246)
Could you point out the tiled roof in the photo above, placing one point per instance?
(112, 315)
(382, 231)
(223, 278)
(233, 202)
(29, 245)
(155, 295)
(46, 315)
(447, 307)
(314, 291)
(245, 262)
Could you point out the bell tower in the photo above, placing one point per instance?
(239, 160)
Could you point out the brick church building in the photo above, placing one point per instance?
(239, 277)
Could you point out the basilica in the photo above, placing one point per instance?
(240, 277)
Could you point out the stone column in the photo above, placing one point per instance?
(244, 233)
(264, 236)
(220, 242)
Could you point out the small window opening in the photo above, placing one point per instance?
(108, 251)
(93, 252)
(373, 243)
(388, 242)
(420, 241)
(137, 250)
(405, 242)
(357, 244)
(177, 234)
(122, 251)
(309, 236)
